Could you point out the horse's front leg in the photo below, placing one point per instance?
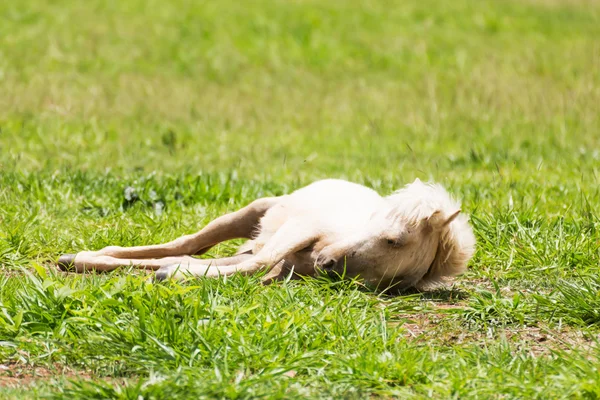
(334, 254)
(239, 224)
(292, 237)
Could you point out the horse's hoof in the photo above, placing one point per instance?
(164, 273)
(66, 262)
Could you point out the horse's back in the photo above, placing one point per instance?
(336, 194)
(331, 206)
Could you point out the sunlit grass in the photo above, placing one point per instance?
(135, 122)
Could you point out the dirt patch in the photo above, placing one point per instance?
(10, 272)
(17, 375)
(436, 327)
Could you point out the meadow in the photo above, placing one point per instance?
(134, 122)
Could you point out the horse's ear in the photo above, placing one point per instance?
(439, 220)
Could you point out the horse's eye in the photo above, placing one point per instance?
(395, 243)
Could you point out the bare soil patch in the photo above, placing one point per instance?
(15, 375)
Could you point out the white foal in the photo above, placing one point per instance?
(412, 238)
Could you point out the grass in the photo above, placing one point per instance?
(135, 122)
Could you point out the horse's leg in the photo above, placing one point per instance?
(277, 273)
(88, 261)
(238, 224)
(291, 237)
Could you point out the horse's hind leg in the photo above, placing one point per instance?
(88, 261)
(238, 224)
(293, 236)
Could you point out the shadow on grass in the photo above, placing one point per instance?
(441, 295)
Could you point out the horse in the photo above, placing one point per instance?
(412, 238)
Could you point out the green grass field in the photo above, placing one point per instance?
(203, 106)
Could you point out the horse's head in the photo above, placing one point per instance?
(416, 239)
